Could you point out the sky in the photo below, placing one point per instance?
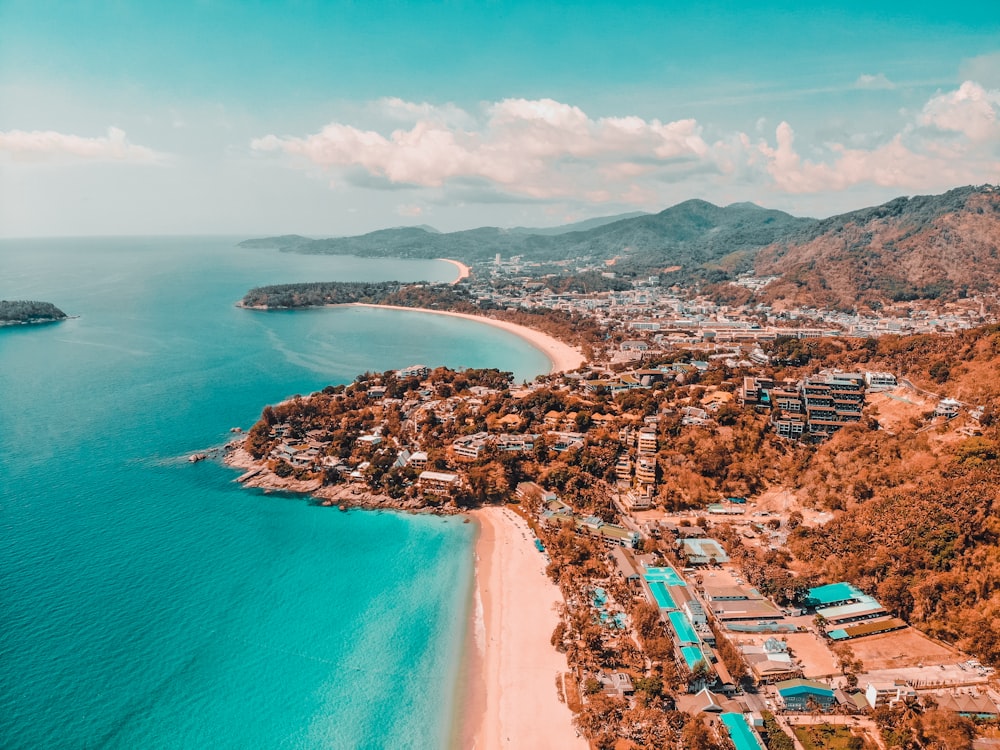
(141, 117)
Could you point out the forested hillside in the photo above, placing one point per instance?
(926, 247)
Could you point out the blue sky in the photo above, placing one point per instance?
(341, 117)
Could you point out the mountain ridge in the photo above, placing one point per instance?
(922, 247)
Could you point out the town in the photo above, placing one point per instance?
(678, 594)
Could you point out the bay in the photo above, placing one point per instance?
(148, 602)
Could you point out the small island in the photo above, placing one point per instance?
(29, 312)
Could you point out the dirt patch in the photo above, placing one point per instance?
(813, 653)
(901, 649)
(897, 409)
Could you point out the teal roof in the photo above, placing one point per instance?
(662, 596)
(803, 687)
(668, 575)
(837, 635)
(683, 628)
(692, 655)
(740, 733)
(832, 593)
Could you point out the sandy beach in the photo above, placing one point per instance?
(463, 270)
(562, 356)
(513, 699)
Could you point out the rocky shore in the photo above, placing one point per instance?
(259, 476)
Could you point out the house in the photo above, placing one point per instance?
(616, 684)
(803, 695)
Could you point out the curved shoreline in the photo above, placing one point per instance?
(463, 270)
(561, 355)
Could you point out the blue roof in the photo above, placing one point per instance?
(832, 593)
(683, 628)
(740, 733)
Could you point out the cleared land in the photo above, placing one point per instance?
(901, 649)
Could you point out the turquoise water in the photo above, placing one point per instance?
(147, 602)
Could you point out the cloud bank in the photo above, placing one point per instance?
(548, 150)
(46, 145)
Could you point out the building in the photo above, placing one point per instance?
(947, 408)
(702, 551)
(971, 706)
(413, 371)
(888, 693)
(471, 446)
(740, 732)
(645, 470)
(804, 695)
(880, 381)
(438, 483)
(646, 440)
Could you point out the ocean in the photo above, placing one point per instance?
(149, 602)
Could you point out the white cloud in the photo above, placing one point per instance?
(971, 110)
(41, 145)
(538, 148)
(875, 82)
(545, 150)
(912, 158)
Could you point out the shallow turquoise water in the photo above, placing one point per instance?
(147, 602)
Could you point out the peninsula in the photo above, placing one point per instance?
(28, 312)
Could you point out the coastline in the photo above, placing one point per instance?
(463, 270)
(512, 669)
(562, 356)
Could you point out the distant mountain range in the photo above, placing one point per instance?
(925, 247)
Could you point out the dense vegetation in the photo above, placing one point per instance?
(26, 311)
(319, 293)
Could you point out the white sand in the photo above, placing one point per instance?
(514, 701)
(562, 356)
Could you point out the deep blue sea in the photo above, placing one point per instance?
(146, 602)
